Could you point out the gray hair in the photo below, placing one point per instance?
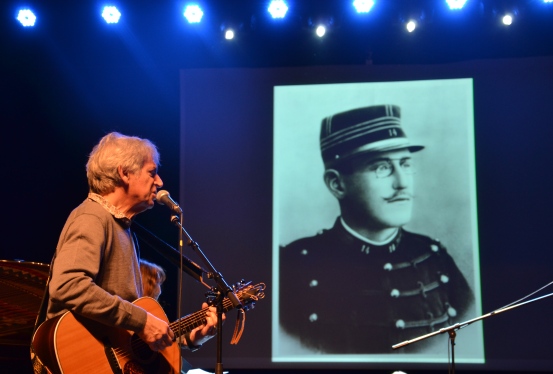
(114, 150)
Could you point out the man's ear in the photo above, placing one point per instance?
(123, 174)
(335, 183)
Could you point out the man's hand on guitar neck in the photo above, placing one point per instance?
(156, 333)
(203, 333)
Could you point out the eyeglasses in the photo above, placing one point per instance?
(386, 167)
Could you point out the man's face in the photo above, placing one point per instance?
(379, 191)
(143, 186)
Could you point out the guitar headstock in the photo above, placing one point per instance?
(247, 293)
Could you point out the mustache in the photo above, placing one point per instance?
(399, 196)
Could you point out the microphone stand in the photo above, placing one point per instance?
(179, 298)
(451, 329)
(223, 290)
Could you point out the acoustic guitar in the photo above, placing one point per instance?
(71, 343)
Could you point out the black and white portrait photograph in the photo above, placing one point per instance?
(277, 186)
(375, 232)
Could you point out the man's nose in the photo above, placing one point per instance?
(401, 179)
(158, 182)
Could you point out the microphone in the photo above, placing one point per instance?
(164, 198)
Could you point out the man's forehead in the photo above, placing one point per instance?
(149, 164)
(402, 153)
(149, 160)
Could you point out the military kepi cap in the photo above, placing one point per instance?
(370, 129)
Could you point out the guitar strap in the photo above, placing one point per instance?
(239, 327)
(136, 244)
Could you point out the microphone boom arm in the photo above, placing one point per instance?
(224, 288)
(170, 253)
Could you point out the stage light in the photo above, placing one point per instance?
(278, 8)
(26, 17)
(320, 31)
(111, 14)
(229, 34)
(193, 13)
(456, 4)
(411, 26)
(363, 6)
(507, 20)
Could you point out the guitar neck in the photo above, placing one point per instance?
(187, 323)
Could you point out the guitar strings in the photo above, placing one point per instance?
(197, 319)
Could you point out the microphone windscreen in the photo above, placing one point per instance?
(160, 195)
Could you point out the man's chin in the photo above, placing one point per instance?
(148, 205)
(398, 220)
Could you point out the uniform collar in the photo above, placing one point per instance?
(366, 245)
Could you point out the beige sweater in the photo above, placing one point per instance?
(96, 272)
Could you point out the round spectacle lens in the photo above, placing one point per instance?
(385, 168)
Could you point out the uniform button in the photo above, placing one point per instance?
(314, 283)
(452, 312)
(394, 293)
(313, 317)
(400, 324)
(304, 252)
(434, 248)
(388, 266)
(444, 278)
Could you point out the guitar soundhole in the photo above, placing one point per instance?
(132, 367)
(141, 350)
(144, 359)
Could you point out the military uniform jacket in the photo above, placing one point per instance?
(339, 294)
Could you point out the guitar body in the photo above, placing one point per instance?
(74, 344)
